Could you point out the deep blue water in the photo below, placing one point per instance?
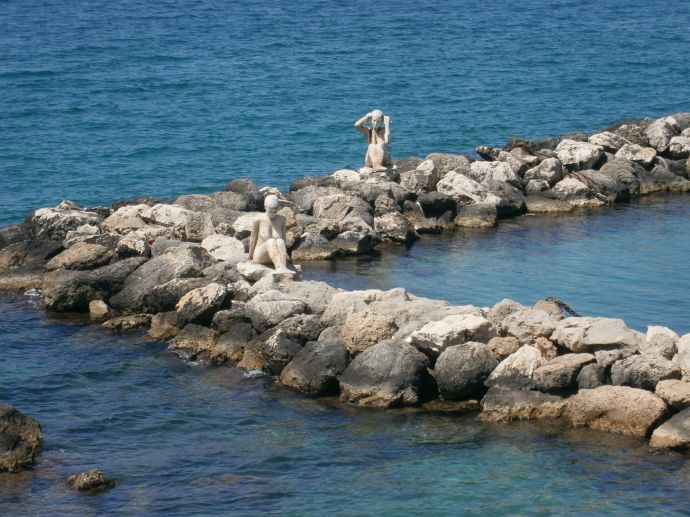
(100, 100)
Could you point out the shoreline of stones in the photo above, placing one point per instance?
(179, 269)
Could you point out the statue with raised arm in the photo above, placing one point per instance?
(378, 137)
(267, 241)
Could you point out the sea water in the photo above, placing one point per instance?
(101, 100)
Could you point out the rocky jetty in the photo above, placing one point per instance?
(179, 269)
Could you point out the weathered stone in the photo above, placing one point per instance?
(561, 372)
(232, 344)
(674, 433)
(502, 309)
(591, 376)
(445, 163)
(436, 336)
(578, 155)
(276, 349)
(385, 205)
(643, 371)
(579, 334)
(617, 409)
(408, 163)
(92, 481)
(20, 439)
(529, 324)
(611, 142)
(305, 197)
(81, 256)
(502, 347)
(516, 164)
(315, 369)
(133, 245)
(660, 179)
(54, 223)
(127, 323)
(164, 326)
(506, 405)
(461, 370)
(675, 393)
(394, 227)
(194, 341)
(476, 215)
(98, 310)
(633, 133)
(227, 249)
(682, 358)
(516, 370)
(486, 172)
(660, 133)
(177, 262)
(550, 170)
(539, 204)
(199, 305)
(186, 224)
(435, 204)
(679, 147)
(660, 341)
(551, 307)
(238, 201)
(464, 189)
(339, 206)
(637, 154)
(389, 374)
(164, 297)
(270, 308)
(363, 329)
(576, 193)
(422, 179)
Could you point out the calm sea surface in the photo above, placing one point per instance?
(101, 100)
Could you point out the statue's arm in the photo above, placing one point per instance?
(387, 134)
(360, 125)
(252, 239)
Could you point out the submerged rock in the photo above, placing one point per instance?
(92, 481)
(20, 439)
(506, 405)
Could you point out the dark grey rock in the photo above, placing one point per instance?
(20, 439)
(591, 376)
(315, 369)
(461, 370)
(643, 371)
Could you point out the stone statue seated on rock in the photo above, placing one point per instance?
(379, 138)
(267, 241)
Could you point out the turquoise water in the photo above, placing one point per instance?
(104, 99)
(100, 100)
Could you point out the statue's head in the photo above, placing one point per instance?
(271, 205)
(376, 118)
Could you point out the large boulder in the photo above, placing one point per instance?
(675, 393)
(578, 155)
(617, 409)
(365, 328)
(187, 225)
(643, 371)
(315, 369)
(502, 309)
(199, 305)
(591, 376)
(178, 262)
(674, 433)
(394, 227)
(445, 163)
(580, 334)
(575, 192)
(436, 336)
(488, 172)
(268, 309)
(461, 370)
(506, 405)
(315, 295)
(164, 297)
(54, 223)
(305, 197)
(194, 342)
(81, 256)
(660, 133)
(637, 154)
(340, 206)
(20, 439)
(529, 324)
(71, 291)
(660, 341)
(517, 370)
(625, 174)
(477, 215)
(222, 247)
(611, 142)
(560, 373)
(633, 133)
(679, 147)
(389, 374)
(682, 358)
(423, 179)
(550, 170)
(464, 189)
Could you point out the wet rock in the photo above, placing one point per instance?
(591, 376)
(529, 324)
(270, 308)
(394, 227)
(54, 223)
(561, 372)
(92, 481)
(123, 324)
(578, 155)
(315, 369)
(550, 171)
(98, 310)
(611, 142)
(660, 341)
(164, 326)
(637, 154)
(476, 215)
(389, 374)
(544, 204)
(194, 341)
(660, 179)
(506, 405)
(660, 133)
(502, 347)
(71, 291)
(510, 199)
(222, 247)
(20, 439)
(434, 204)
(643, 371)
(617, 409)
(177, 262)
(579, 334)
(675, 393)
(364, 329)
(516, 371)
(199, 305)
(436, 336)
(81, 256)
(461, 370)
(674, 433)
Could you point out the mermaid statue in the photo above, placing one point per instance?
(378, 137)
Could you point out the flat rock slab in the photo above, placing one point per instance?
(505, 405)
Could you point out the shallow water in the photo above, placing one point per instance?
(186, 440)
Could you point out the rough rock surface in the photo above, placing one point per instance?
(389, 374)
(591, 376)
(505, 405)
(660, 341)
(436, 336)
(127, 323)
(529, 324)
(81, 256)
(502, 347)
(675, 393)
(268, 309)
(579, 334)
(363, 329)
(643, 371)
(92, 481)
(516, 370)
(617, 409)
(199, 305)
(315, 369)
(561, 372)
(674, 433)
(578, 155)
(20, 439)
(461, 370)
(194, 341)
